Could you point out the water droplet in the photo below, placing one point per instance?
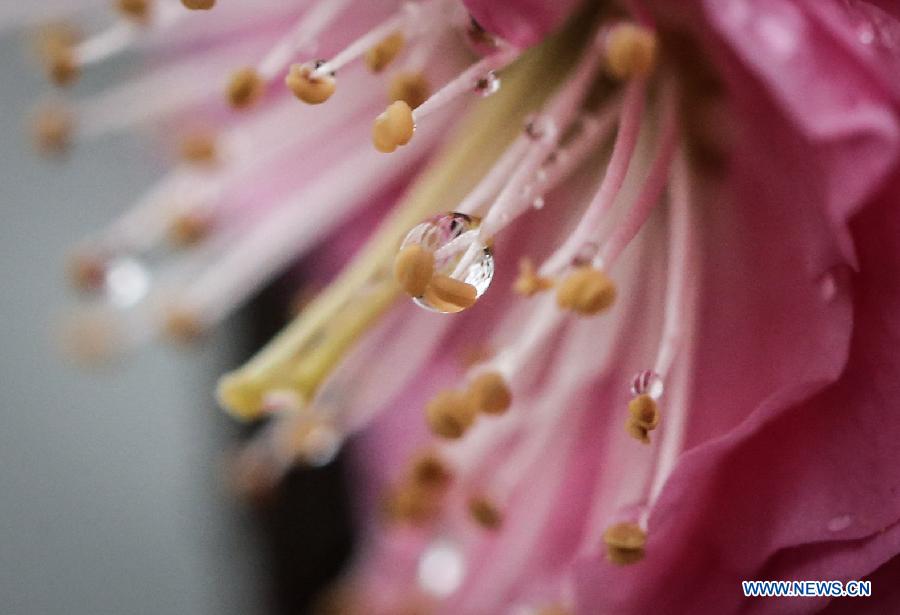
(647, 382)
(487, 85)
(319, 63)
(541, 175)
(838, 524)
(126, 282)
(453, 239)
(828, 287)
(866, 34)
(538, 202)
(441, 568)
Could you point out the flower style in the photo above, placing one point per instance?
(682, 374)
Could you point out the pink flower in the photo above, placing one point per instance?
(691, 386)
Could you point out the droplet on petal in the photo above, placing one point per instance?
(647, 382)
(441, 568)
(487, 85)
(461, 270)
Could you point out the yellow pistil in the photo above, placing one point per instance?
(199, 5)
(625, 543)
(306, 351)
(643, 417)
(199, 148)
(529, 283)
(449, 295)
(450, 414)
(490, 393)
(411, 88)
(630, 51)
(393, 128)
(52, 130)
(381, 55)
(245, 88)
(485, 513)
(307, 85)
(586, 291)
(413, 269)
(137, 11)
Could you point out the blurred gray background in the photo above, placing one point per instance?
(111, 496)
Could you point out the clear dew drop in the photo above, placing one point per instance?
(828, 287)
(538, 202)
(647, 382)
(441, 568)
(126, 282)
(488, 84)
(839, 524)
(453, 239)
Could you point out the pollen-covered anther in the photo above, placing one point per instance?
(485, 513)
(644, 411)
(586, 291)
(449, 295)
(189, 228)
(308, 85)
(429, 471)
(529, 283)
(393, 128)
(625, 543)
(630, 51)
(52, 129)
(135, 10)
(490, 393)
(182, 325)
(244, 88)
(450, 414)
(413, 269)
(411, 88)
(199, 5)
(60, 65)
(411, 504)
(381, 55)
(199, 149)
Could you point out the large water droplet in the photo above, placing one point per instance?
(839, 524)
(647, 382)
(441, 568)
(452, 238)
(126, 282)
(488, 84)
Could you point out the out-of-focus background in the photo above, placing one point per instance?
(112, 497)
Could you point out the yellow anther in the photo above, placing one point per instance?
(414, 268)
(61, 66)
(449, 295)
(529, 283)
(586, 291)
(189, 228)
(429, 471)
(393, 128)
(244, 88)
(485, 513)
(490, 393)
(450, 414)
(199, 148)
(411, 88)
(625, 543)
(630, 51)
(307, 85)
(410, 504)
(199, 5)
(182, 325)
(135, 10)
(381, 55)
(52, 129)
(637, 431)
(644, 411)
(554, 609)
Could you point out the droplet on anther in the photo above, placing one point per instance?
(488, 84)
(308, 85)
(647, 382)
(460, 271)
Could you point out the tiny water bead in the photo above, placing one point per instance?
(442, 265)
(647, 382)
(488, 84)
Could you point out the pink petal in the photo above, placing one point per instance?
(521, 22)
